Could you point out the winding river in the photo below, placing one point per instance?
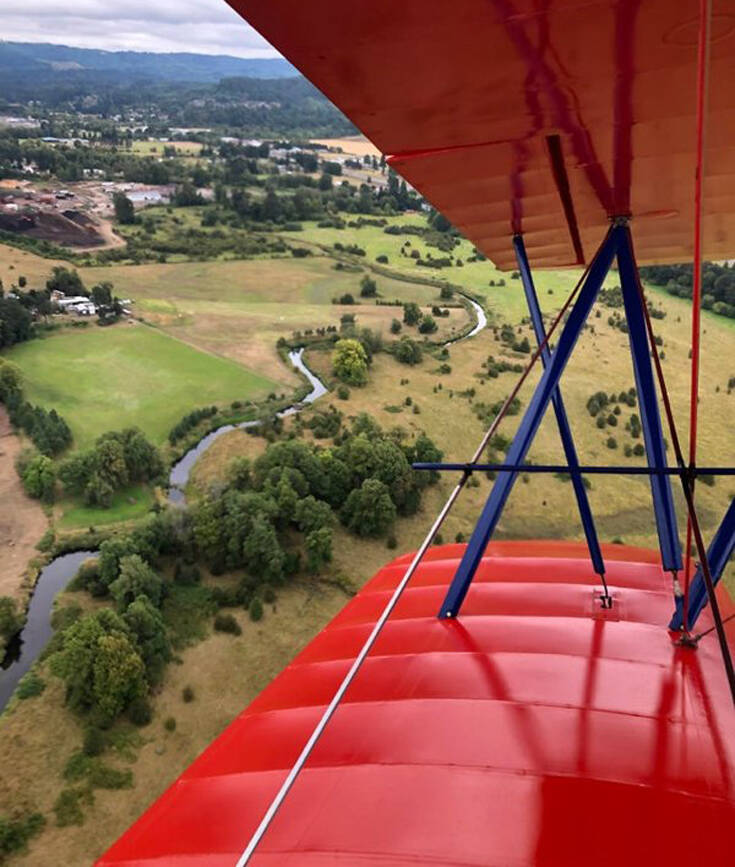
(25, 648)
(181, 470)
(481, 322)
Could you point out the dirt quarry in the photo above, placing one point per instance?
(22, 520)
(71, 229)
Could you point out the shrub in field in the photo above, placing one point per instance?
(30, 685)
(407, 351)
(140, 712)
(427, 325)
(227, 623)
(68, 806)
(17, 831)
(94, 742)
(256, 609)
(411, 313)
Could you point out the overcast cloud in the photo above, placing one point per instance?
(202, 26)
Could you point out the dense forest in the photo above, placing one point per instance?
(252, 106)
(718, 284)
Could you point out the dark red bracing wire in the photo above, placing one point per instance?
(705, 11)
(687, 489)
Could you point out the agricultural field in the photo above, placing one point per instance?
(103, 379)
(156, 148)
(356, 145)
(506, 302)
(239, 309)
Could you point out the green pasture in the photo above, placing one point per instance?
(127, 504)
(110, 378)
(156, 148)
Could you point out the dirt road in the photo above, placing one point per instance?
(22, 520)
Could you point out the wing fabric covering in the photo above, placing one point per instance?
(466, 97)
(536, 730)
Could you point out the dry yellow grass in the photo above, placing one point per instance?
(37, 736)
(22, 520)
(354, 145)
(15, 263)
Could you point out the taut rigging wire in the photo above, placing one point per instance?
(703, 48)
(329, 711)
(688, 496)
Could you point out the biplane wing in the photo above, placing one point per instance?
(531, 732)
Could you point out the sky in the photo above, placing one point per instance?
(201, 26)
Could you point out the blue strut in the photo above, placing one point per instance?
(718, 554)
(618, 244)
(529, 425)
(583, 503)
(663, 501)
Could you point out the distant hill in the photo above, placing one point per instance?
(20, 60)
(261, 97)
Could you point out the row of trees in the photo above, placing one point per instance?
(48, 431)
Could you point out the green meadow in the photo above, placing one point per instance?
(102, 379)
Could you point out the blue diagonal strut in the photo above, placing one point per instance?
(663, 501)
(583, 503)
(529, 425)
(718, 553)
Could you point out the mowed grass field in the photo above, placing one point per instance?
(239, 309)
(156, 148)
(104, 379)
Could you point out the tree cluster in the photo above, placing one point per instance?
(118, 458)
(718, 284)
(16, 322)
(260, 522)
